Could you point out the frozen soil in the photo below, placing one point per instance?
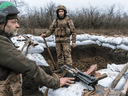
(83, 57)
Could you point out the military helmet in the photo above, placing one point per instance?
(7, 8)
(61, 7)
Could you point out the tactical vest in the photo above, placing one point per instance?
(62, 28)
(12, 86)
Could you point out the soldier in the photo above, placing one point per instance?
(13, 63)
(63, 28)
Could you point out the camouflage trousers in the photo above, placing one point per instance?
(12, 86)
(63, 54)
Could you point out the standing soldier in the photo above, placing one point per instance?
(63, 28)
(13, 63)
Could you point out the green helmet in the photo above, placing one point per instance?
(7, 8)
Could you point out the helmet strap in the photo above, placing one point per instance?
(5, 26)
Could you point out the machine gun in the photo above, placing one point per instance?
(91, 81)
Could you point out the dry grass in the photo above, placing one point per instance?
(107, 32)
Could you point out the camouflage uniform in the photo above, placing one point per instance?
(63, 29)
(13, 63)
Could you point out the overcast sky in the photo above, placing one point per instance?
(73, 4)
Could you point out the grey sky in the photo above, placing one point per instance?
(73, 4)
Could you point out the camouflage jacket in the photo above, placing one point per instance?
(62, 29)
(13, 60)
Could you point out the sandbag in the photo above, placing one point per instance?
(37, 38)
(78, 43)
(51, 44)
(116, 41)
(102, 39)
(125, 41)
(38, 58)
(122, 46)
(51, 38)
(82, 37)
(108, 45)
(73, 90)
(98, 42)
(43, 45)
(88, 42)
(94, 37)
(33, 49)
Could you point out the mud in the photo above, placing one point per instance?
(83, 57)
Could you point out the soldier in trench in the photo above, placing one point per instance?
(13, 64)
(63, 28)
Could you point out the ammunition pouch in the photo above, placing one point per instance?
(12, 86)
(60, 31)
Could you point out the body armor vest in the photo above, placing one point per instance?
(62, 28)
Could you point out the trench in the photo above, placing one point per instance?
(83, 57)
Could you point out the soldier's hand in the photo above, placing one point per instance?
(43, 35)
(73, 45)
(66, 81)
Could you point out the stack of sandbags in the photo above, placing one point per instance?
(33, 51)
(77, 89)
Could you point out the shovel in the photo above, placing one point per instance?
(102, 91)
(50, 54)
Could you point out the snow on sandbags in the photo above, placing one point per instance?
(88, 42)
(109, 45)
(38, 58)
(73, 90)
(116, 41)
(122, 46)
(33, 49)
(112, 71)
(81, 37)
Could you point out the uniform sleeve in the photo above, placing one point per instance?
(13, 59)
(51, 29)
(73, 31)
